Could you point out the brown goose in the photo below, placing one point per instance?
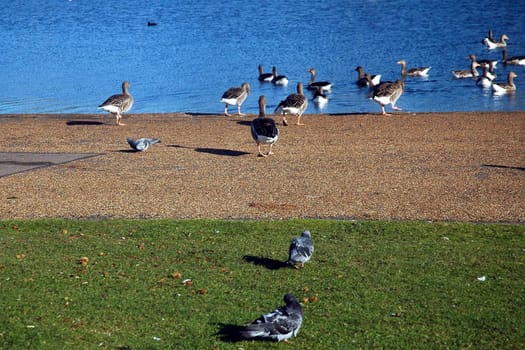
(491, 44)
(278, 79)
(266, 77)
(516, 60)
(505, 88)
(362, 79)
(387, 93)
(314, 85)
(413, 72)
(119, 103)
(263, 129)
(469, 73)
(293, 104)
(235, 96)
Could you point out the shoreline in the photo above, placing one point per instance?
(458, 166)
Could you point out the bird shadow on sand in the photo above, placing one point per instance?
(497, 166)
(244, 122)
(230, 332)
(270, 264)
(83, 122)
(215, 151)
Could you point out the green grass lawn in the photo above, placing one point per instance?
(396, 285)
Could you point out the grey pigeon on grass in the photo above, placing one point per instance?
(142, 144)
(280, 324)
(301, 249)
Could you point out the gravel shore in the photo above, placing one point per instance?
(424, 166)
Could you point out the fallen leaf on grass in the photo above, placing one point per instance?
(201, 291)
(176, 275)
(20, 256)
(83, 261)
(187, 282)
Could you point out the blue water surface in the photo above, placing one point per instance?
(68, 56)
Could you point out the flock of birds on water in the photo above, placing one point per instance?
(264, 130)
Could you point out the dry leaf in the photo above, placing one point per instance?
(20, 256)
(83, 261)
(201, 291)
(313, 299)
(187, 282)
(176, 275)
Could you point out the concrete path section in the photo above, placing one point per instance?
(16, 162)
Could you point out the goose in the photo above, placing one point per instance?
(488, 37)
(119, 103)
(516, 60)
(264, 77)
(488, 63)
(281, 324)
(278, 79)
(235, 96)
(293, 104)
(469, 73)
(263, 129)
(505, 88)
(362, 80)
(387, 93)
(491, 44)
(313, 85)
(485, 80)
(320, 98)
(413, 72)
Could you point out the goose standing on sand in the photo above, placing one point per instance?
(278, 79)
(387, 93)
(263, 129)
(235, 96)
(492, 44)
(314, 85)
(293, 104)
(469, 73)
(280, 324)
(119, 103)
(505, 88)
(362, 80)
(413, 72)
(264, 77)
(515, 60)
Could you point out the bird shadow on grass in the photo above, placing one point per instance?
(230, 332)
(270, 264)
(215, 151)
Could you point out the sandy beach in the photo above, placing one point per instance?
(424, 166)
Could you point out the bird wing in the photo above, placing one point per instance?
(233, 92)
(264, 127)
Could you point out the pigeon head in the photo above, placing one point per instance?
(306, 234)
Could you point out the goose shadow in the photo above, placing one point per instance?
(270, 264)
(83, 122)
(503, 167)
(215, 151)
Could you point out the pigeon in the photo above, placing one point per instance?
(301, 249)
(280, 324)
(142, 144)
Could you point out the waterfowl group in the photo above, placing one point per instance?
(235, 96)
(118, 103)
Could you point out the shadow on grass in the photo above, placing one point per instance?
(230, 332)
(270, 264)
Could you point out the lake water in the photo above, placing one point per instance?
(63, 56)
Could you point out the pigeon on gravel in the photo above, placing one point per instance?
(142, 144)
(301, 249)
(280, 324)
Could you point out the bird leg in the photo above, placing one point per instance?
(239, 110)
(270, 150)
(261, 154)
(396, 108)
(299, 120)
(118, 118)
(226, 111)
(384, 112)
(285, 122)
